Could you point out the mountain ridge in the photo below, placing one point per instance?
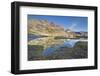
(46, 28)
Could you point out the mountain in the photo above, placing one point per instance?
(70, 33)
(82, 34)
(45, 28)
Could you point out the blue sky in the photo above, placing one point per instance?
(74, 23)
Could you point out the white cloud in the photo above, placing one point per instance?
(72, 27)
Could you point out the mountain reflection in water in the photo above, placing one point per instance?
(49, 48)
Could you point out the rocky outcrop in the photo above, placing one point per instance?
(45, 28)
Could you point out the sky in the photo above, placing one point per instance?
(74, 23)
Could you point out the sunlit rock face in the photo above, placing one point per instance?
(45, 28)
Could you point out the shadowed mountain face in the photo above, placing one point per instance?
(45, 28)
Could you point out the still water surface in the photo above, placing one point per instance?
(48, 48)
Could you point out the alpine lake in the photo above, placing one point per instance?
(51, 48)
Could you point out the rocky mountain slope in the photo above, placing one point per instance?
(45, 28)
